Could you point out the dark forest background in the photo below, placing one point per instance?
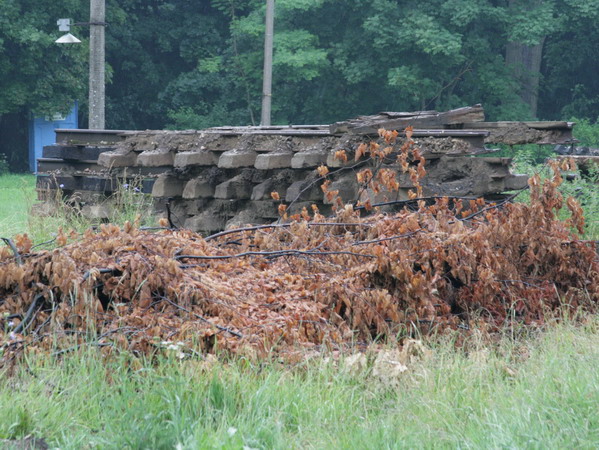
(195, 64)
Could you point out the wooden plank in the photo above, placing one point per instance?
(88, 137)
(48, 165)
(449, 133)
(74, 152)
(519, 133)
(53, 182)
(272, 127)
(400, 120)
(259, 132)
(474, 138)
(104, 185)
(89, 168)
(537, 125)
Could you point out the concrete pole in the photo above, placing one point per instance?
(267, 79)
(97, 17)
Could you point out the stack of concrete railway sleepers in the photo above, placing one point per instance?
(222, 177)
(69, 169)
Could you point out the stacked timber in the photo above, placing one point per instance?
(220, 177)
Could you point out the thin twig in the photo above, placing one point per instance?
(414, 200)
(75, 347)
(88, 273)
(275, 254)
(14, 249)
(390, 238)
(497, 205)
(203, 319)
(322, 178)
(31, 312)
(95, 342)
(43, 243)
(284, 225)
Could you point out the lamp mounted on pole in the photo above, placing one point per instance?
(97, 89)
(267, 79)
(65, 25)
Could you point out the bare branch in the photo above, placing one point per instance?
(284, 225)
(274, 254)
(14, 249)
(31, 312)
(88, 273)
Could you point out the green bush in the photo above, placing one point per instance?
(586, 132)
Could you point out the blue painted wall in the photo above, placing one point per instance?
(41, 132)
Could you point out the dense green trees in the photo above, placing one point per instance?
(336, 59)
(35, 73)
(190, 64)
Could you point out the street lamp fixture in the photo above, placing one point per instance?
(97, 68)
(65, 25)
(67, 39)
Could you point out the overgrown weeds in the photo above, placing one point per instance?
(78, 213)
(531, 387)
(312, 281)
(539, 390)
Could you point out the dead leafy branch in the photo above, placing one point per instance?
(310, 281)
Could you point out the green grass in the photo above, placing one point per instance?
(17, 194)
(541, 392)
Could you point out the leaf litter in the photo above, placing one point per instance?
(306, 283)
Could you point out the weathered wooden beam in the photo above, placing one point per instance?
(273, 127)
(74, 152)
(323, 132)
(518, 133)
(474, 138)
(539, 125)
(89, 168)
(50, 165)
(89, 137)
(401, 120)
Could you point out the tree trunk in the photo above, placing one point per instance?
(525, 62)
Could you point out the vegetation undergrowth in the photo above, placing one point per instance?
(16, 196)
(585, 189)
(309, 281)
(538, 391)
(20, 211)
(530, 389)
(531, 159)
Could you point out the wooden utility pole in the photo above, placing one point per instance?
(97, 17)
(267, 80)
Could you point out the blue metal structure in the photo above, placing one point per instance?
(41, 133)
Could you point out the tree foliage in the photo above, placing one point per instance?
(188, 64)
(35, 73)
